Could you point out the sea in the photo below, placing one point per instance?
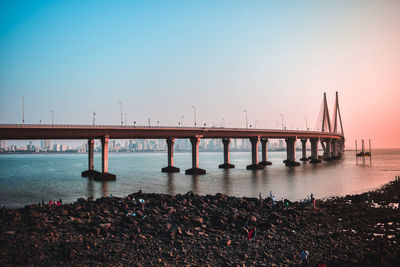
(33, 178)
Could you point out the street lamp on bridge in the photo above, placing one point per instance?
(122, 122)
(245, 111)
(94, 118)
(282, 120)
(23, 110)
(194, 115)
(52, 117)
(306, 123)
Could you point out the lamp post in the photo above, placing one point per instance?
(182, 120)
(245, 111)
(223, 122)
(23, 110)
(125, 118)
(282, 120)
(255, 124)
(194, 115)
(120, 102)
(52, 117)
(94, 118)
(306, 123)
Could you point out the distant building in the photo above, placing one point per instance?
(56, 147)
(47, 144)
(3, 144)
(280, 143)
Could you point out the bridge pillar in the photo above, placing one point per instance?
(104, 175)
(254, 154)
(328, 151)
(304, 150)
(195, 157)
(90, 172)
(291, 152)
(170, 167)
(314, 150)
(227, 164)
(335, 149)
(264, 153)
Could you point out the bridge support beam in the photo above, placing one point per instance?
(90, 172)
(254, 154)
(264, 153)
(304, 150)
(227, 164)
(105, 175)
(291, 152)
(170, 167)
(195, 158)
(314, 150)
(328, 151)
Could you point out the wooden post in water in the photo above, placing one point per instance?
(356, 147)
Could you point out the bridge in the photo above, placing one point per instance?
(331, 138)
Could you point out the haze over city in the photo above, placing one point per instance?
(161, 58)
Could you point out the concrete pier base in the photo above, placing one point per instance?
(195, 171)
(105, 176)
(265, 163)
(255, 167)
(170, 167)
(90, 173)
(226, 166)
(314, 151)
(328, 151)
(291, 153)
(264, 153)
(254, 154)
(291, 163)
(195, 157)
(304, 150)
(315, 161)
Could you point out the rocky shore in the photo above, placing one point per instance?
(157, 229)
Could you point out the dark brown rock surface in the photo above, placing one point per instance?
(358, 230)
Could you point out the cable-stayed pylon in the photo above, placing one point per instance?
(326, 121)
(336, 112)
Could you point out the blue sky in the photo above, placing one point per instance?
(162, 57)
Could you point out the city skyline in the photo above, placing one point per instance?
(70, 59)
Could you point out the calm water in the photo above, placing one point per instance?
(30, 178)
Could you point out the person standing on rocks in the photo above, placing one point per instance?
(312, 201)
(304, 258)
(260, 197)
(252, 234)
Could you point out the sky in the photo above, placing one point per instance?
(160, 58)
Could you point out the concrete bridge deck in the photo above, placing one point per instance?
(40, 131)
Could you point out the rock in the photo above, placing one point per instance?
(105, 226)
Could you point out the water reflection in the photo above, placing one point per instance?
(104, 188)
(170, 184)
(227, 181)
(89, 188)
(195, 184)
(362, 161)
